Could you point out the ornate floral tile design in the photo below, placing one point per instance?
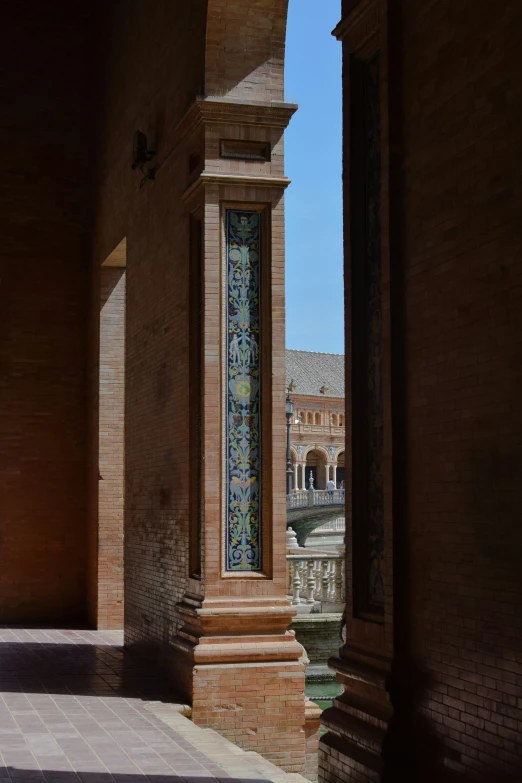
(243, 423)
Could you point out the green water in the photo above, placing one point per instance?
(329, 688)
(315, 689)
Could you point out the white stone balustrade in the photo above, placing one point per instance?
(333, 526)
(297, 499)
(315, 578)
(315, 497)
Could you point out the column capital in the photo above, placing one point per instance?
(207, 178)
(359, 25)
(235, 111)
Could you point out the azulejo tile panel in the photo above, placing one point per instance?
(243, 395)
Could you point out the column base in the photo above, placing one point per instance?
(244, 674)
(312, 732)
(358, 721)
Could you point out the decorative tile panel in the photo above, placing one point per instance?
(243, 393)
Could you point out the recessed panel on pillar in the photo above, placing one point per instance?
(374, 326)
(367, 384)
(242, 393)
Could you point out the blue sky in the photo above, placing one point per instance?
(314, 283)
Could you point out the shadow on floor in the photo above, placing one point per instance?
(82, 663)
(58, 776)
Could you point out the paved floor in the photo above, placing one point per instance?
(75, 706)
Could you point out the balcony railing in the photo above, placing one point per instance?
(315, 578)
(334, 526)
(315, 497)
(319, 429)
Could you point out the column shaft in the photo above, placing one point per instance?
(234, 647)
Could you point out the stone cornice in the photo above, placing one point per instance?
(272, 616)
(216, 111)
(359, 26)
(241, 180)
(273, 114)
(240, 650)
(231, 630)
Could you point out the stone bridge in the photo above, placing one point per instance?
(310, 508)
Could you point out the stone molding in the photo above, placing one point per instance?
(361, 25)
(206, 178)
(216, 111)
(240, 631)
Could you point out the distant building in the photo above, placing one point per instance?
(316, 385)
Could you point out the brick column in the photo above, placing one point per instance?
(359, 719)
(238, 663)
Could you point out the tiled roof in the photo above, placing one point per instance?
(311, 370)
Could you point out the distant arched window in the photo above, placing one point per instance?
(341, 420)
(309, 418)
(317, 418)
(334, 419)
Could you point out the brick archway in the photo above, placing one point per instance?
(245, 48)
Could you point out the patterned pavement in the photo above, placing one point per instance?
(75, 706)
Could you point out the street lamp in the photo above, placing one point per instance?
(289, 417)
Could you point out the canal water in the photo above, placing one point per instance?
(323, 693)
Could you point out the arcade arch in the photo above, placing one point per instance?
(340, 472)
(316, 461)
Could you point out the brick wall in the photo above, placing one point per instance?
(325, 407)
(257, 706)
(456, 104)
(153, 72)
(110, 468)
(335, 765)
(239, 40)
(44, 300)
